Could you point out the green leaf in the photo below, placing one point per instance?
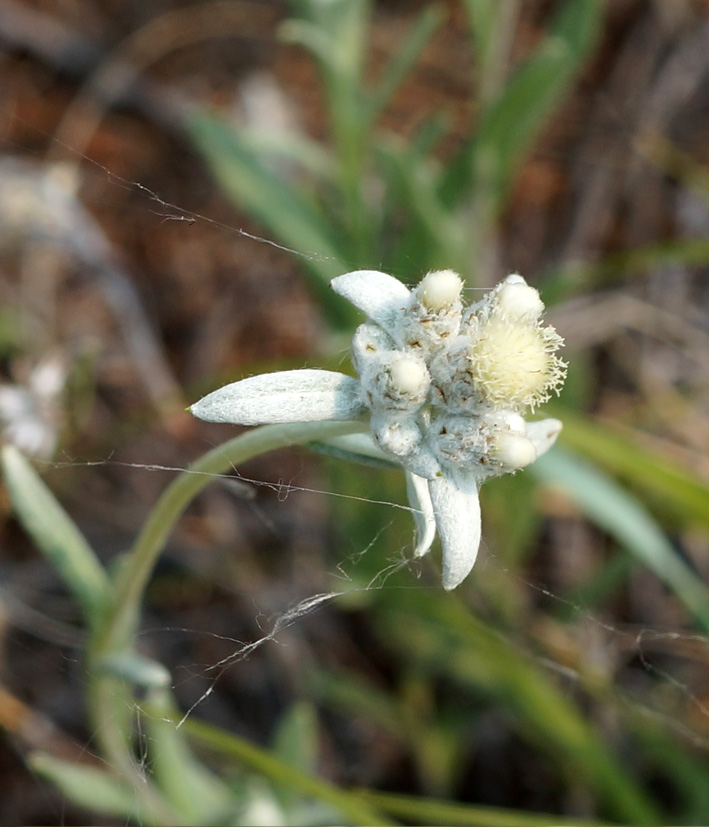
(624, 518)
(197, 794)
(296, 740)
(56, 535)
(673, 488)
(136, 669)
(89, 787)
(410, 809)
(415, 181)
(511, 124)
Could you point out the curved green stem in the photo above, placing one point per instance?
(109, 698)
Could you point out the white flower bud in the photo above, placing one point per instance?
(518, 300)
(409, 376)
(513, 451)
(440, 289)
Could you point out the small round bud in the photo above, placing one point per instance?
(440, 289)
(513, 451)
(513, 278)
(517, 300)
(408, 375)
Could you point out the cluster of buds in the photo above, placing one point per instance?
(447, 384)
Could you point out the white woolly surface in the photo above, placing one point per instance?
(289, 396)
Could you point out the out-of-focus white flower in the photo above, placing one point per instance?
(30, 413)
(442, 387)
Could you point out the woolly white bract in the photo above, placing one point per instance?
(442, 387)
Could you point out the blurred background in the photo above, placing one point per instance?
(178, 183)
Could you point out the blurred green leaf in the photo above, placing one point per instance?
(135, 669)
(197, 794)
(411, 810)
(510, 125)
(280, 207)
(673, 488)
(624, 518)
(296, 740)
(56, 535)
(349, 804)
(279, 149)
(440, 233)
(296, 743)
(96, 790)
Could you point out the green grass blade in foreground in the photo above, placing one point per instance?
(410, 809)
(444, 638)
(283, 210)
(616, 511)
(349, 804)
(55, 534)
(674, 489)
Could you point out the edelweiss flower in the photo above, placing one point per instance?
(442, 386)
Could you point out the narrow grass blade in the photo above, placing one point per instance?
(512, 121)
(413, 810)
(404, 59)
(674, 490)
(349, 804)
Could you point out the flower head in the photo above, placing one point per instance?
(442, 388)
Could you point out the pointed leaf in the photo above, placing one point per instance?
(288, 396)
(624, 518)
(89, 787)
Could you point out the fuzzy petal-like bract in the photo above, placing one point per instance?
(543, 434)
(456, 506)
(424, 519)
(381, 297)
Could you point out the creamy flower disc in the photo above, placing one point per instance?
(442, 386)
